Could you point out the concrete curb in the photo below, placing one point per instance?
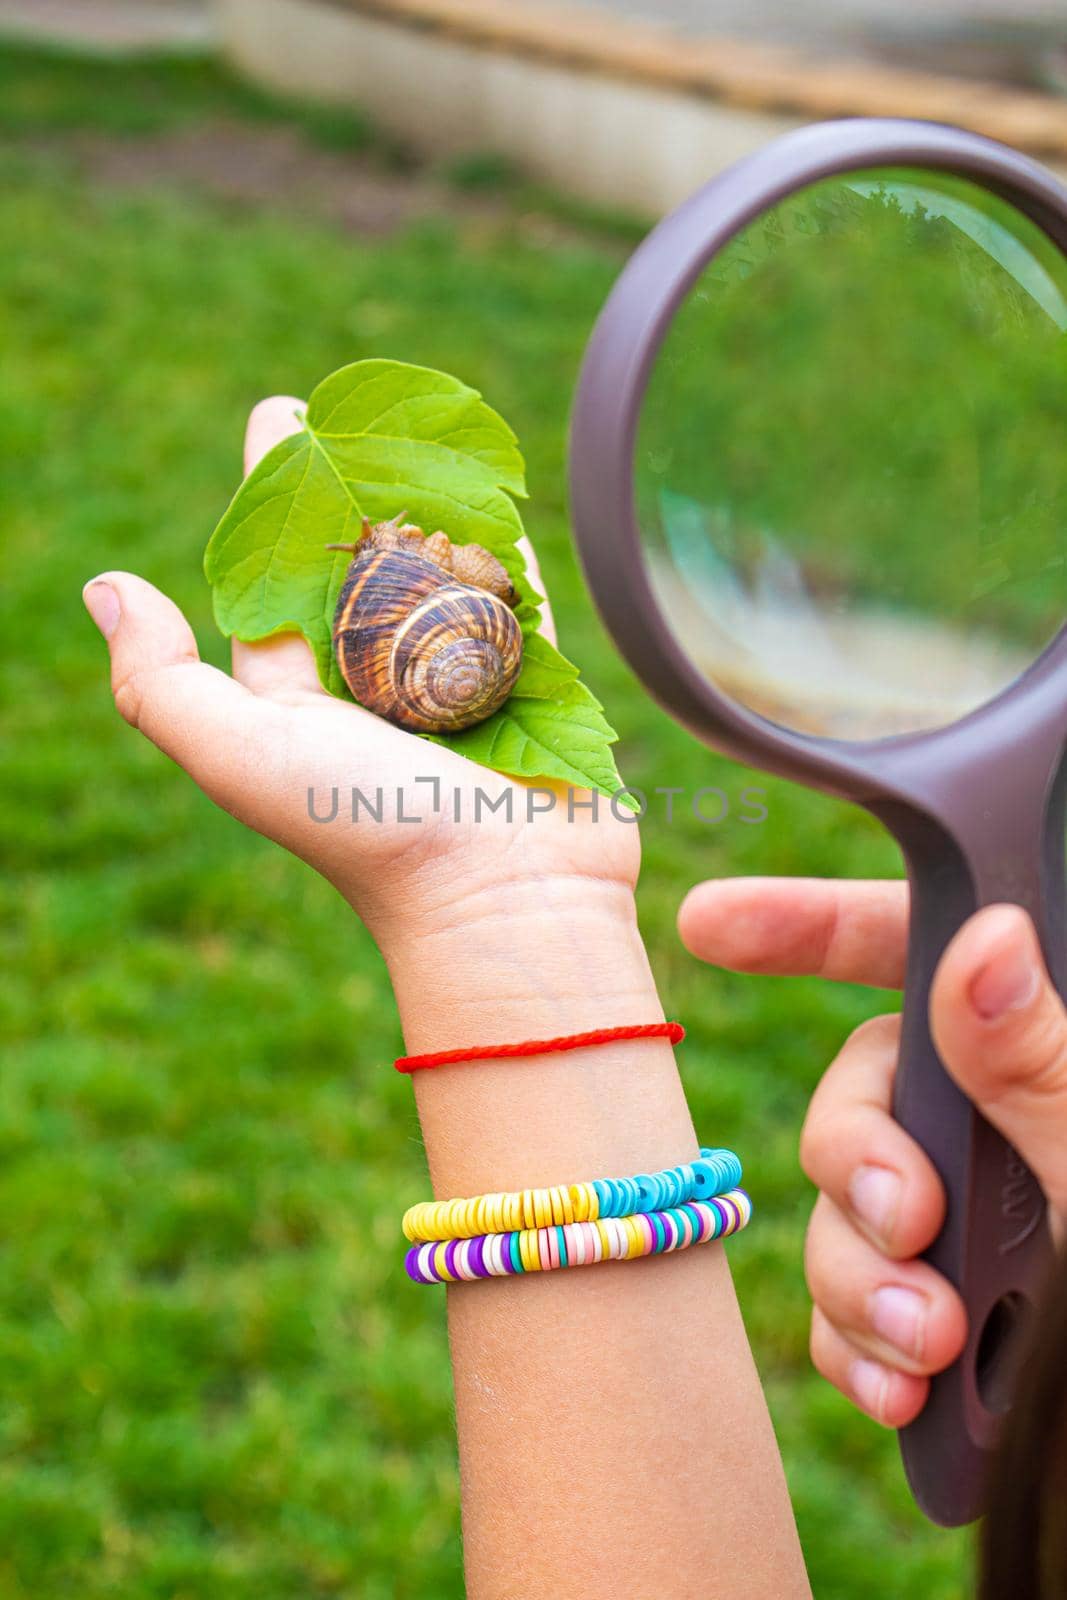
(619, 113)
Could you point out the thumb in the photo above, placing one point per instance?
(202, 719)
(1001, 1030)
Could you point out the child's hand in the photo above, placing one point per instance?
(259, 741)
(884, 1321)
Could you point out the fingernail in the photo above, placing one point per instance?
(874, 1195)
(1006, 983)
(102, 604)
(899, 1317)
(870, 1382)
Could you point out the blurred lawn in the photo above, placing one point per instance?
(216, 1381)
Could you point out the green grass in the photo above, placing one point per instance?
(216, 1382)
(61, 92)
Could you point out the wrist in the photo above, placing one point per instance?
(529, 960)
(536, 956)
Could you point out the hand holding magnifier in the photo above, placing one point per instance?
(819, 483)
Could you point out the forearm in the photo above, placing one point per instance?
(613, 1434)
(613, 1437)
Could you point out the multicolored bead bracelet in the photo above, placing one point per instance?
(578, 1244)
(715, 1172)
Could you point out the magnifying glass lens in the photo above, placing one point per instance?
(851, 460)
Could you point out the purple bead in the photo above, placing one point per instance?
(411, 1265)
(476, 1255)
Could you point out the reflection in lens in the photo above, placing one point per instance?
(851, 465)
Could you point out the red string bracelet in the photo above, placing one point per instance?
(540, 1047)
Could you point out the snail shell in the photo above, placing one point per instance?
(424, 630)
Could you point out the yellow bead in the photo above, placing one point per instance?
(556, 1200)
(594, 1203)
(633, 1233)
(542, 1208)
(439, 1264)
(605, 1239)
(565, 1205)
(512, 1211)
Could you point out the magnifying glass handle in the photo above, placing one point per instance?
(995, 1246)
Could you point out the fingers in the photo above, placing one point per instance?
(883, 1321)
(198, 716)
(283, 666)
(279, 668)
(892, 1398)
(902, 1313)
(1001, 1030)
(270, 422)
(533, 569)
(854, 1152)
(854, 932)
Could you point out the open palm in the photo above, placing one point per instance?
(273, 748)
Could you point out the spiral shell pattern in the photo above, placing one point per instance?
(416, 645)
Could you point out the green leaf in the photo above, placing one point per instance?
(379, 438)
(566, 738)
(545, 674)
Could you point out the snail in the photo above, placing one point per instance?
(425, 632)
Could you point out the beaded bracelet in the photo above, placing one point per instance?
(578, 1244)
(713, 1173)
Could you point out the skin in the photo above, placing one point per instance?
(588, 1466)
(883, 1322)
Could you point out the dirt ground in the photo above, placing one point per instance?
(274, 165)
(264, 165)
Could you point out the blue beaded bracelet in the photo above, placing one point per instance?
(714, 1172)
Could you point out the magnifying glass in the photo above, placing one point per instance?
(819, 486)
